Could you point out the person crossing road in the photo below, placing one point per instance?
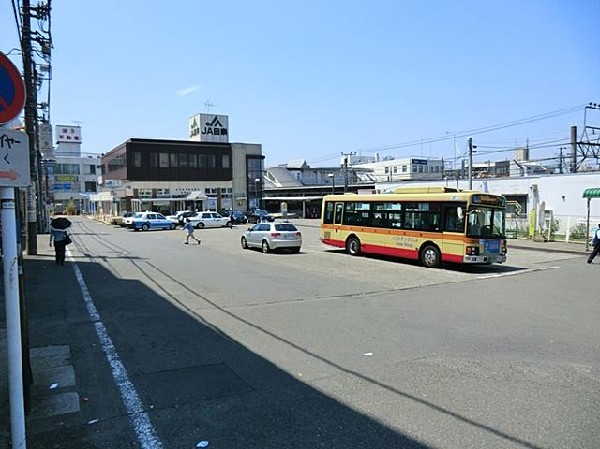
(189, 228)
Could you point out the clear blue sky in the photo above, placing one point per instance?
(311, 79)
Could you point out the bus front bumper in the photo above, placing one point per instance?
(485, 259)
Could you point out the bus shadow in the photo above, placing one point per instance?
(471, 269)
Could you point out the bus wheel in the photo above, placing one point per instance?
(430, 257)
(353, 246)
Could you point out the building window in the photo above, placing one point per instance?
(201, 160)
(137, 159)
(163, 160)
(226, 161)
(174, 160)
(404, 169)
(90, 186)
(66, 169)
(212, 161)
(154, 160)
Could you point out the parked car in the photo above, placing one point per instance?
(179, 217)
(258, 215)
(272, 236)
(127, 219)
(120, 219)
(236, 216)
(150, 220)
(209, 219)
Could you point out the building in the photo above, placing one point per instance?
(68, 177)
(205, 172)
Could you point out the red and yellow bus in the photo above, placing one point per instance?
(428, 224)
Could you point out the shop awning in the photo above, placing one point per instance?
(592, 193)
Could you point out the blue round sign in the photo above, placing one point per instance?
(12, 90)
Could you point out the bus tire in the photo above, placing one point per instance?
(430, 256)
(353, 246)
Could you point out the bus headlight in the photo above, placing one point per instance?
(472, 250)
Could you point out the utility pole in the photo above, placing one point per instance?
(30, 128)
(573, 149)
(345, 165)
(471, 163)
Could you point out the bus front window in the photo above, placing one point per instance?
(485, 223)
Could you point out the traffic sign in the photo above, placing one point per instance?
(14, 159)
(12, 90)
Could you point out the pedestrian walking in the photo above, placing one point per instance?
(189, 228)
(595, 244)
(59, 238)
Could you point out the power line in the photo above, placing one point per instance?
(462, 134)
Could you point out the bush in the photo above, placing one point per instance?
(70, 209)
(578, 232)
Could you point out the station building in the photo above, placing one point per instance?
(204, 172)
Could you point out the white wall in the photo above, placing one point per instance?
(551, 190)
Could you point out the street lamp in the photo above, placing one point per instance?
(332, 176)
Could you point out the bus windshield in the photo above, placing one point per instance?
(485, 222)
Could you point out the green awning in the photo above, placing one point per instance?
(592, 193)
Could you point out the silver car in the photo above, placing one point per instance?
(272, 236)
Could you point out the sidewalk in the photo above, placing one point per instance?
(55, 399)
(53, 395)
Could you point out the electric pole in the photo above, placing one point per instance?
(345, 166)
(30, 128)
(471, 163)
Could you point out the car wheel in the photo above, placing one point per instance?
(353, 246)
(244, 243)
(229, 224)
(430, 256)
(145, 227)
(295, 250)
(265, 247)
(200, 225)
(172, 226)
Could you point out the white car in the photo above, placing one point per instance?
(209, 219)
(272, 236)
(179, 217)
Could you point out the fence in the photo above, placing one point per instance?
(560, 228)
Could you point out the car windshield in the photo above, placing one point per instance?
(138, 215)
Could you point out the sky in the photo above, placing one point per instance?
(313, 79)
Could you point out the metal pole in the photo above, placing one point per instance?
(13, 318)
(573, 149)
(470, 163)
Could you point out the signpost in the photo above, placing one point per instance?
(14, 172)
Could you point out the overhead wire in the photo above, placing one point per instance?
(16, 14)
(461, 134)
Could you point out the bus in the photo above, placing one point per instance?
(428, 224)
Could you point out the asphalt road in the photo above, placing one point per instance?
(178, 345)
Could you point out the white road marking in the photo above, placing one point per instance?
(140, 421)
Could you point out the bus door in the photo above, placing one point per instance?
(454, 230)
(337, 217)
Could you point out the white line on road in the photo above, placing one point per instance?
(145, 432)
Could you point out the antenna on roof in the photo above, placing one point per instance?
(208, 105)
